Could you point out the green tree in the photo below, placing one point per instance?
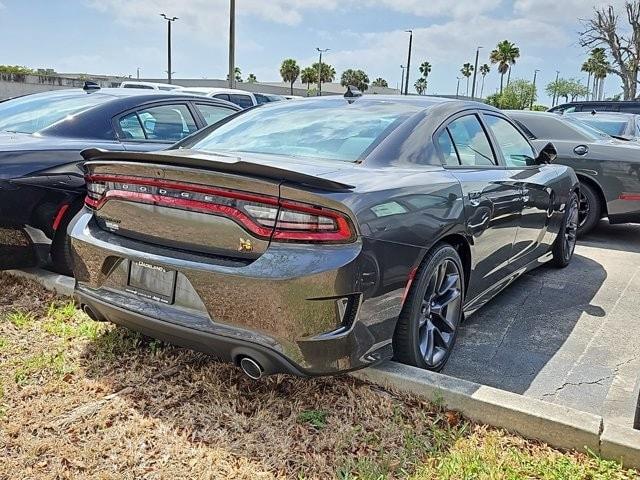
(237, 75)
(327, 72)
(251, 78)
(518, 95)
(505, 55)
(357, 78)
(380, 82)
(467, 71)
(425, 69)
(308, 76)
(570, 88)
(16, 70)
(484, 70)
(421, 85)
(289, 71)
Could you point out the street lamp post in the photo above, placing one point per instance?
(406, 86)
(169, 20)
(321, 51)
(533, 93)
(555, 89)
(475, 72)
(402, 81)
(458, 87)
(232, 43)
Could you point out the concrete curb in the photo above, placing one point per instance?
(60, 284)
(559, 426)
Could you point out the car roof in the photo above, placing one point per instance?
(610, 115)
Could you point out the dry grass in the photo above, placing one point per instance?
(85, 400)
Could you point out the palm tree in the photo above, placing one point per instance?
(327, 72)
(251, 78)
(379, 82)
(357, 78)
(309, 75)
(484, 70)
(599, 69)
(289, 71)
(425, 69)
(467, 70)
(505, 55)
(421, 85)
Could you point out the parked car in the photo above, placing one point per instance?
(320, 236)
(623, 126)
(239, 97)
(627, 106)
(608, 169)
(167, 87)
(41, 136)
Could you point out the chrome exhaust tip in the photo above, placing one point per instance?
(251, 368)
(91, 314)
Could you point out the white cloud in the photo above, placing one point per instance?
(436, 8)
(560, 11)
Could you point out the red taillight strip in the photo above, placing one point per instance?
(185, 186)
(343, 233)
(630, 196)
(191, 205)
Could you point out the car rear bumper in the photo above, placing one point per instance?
(296, 309)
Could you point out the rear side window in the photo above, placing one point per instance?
(516, 150)
(471, 142)
(213, 113)
(261, 99)
(222, 96)
(167, 123)
(243, 101)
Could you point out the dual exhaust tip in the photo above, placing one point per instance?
(248, 365)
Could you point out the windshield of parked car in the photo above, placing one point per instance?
(325, 129)
(608, 126)
(33, 113)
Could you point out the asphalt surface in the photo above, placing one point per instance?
(569, 336)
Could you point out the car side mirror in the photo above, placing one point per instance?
(547, 155)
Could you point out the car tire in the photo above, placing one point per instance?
(590, 210)
(61, 258)
(428, 324)
(565, 243)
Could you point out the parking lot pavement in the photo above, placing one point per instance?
(566, 336)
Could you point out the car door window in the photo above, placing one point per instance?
(243, 101)
(222, 96)
(131, 127)
(168, 123)
(516, 150)
(447, 150)
(213, 113)
(471, 142)
(261, 99)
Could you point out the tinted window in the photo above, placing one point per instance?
(131, 127)
(213, 113)
(32, 113)
(515, 148)
(261, 99)
(448, 151)
(134, 85)
(222, 96)
(243, 101)
(168, 123)
(328, 129)
(471, 141)
(610, 127)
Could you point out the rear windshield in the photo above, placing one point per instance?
(333, 130)
(33, 113)
(610, 127)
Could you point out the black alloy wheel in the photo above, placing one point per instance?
(428, 324)
(565, 243)
(589, 209)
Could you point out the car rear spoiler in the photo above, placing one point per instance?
(205, 161)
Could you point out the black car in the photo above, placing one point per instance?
(321, 235)
(41, 136)
(626, 106)
(608, 169)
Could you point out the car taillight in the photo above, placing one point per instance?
(264, 216)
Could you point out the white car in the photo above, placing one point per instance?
(149, 86)
(239, 97)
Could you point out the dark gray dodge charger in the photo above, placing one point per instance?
(323, 235)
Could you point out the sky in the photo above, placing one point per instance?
(118, 36)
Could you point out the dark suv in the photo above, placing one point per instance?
(628, 106)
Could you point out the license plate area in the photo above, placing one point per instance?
(152, 282)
